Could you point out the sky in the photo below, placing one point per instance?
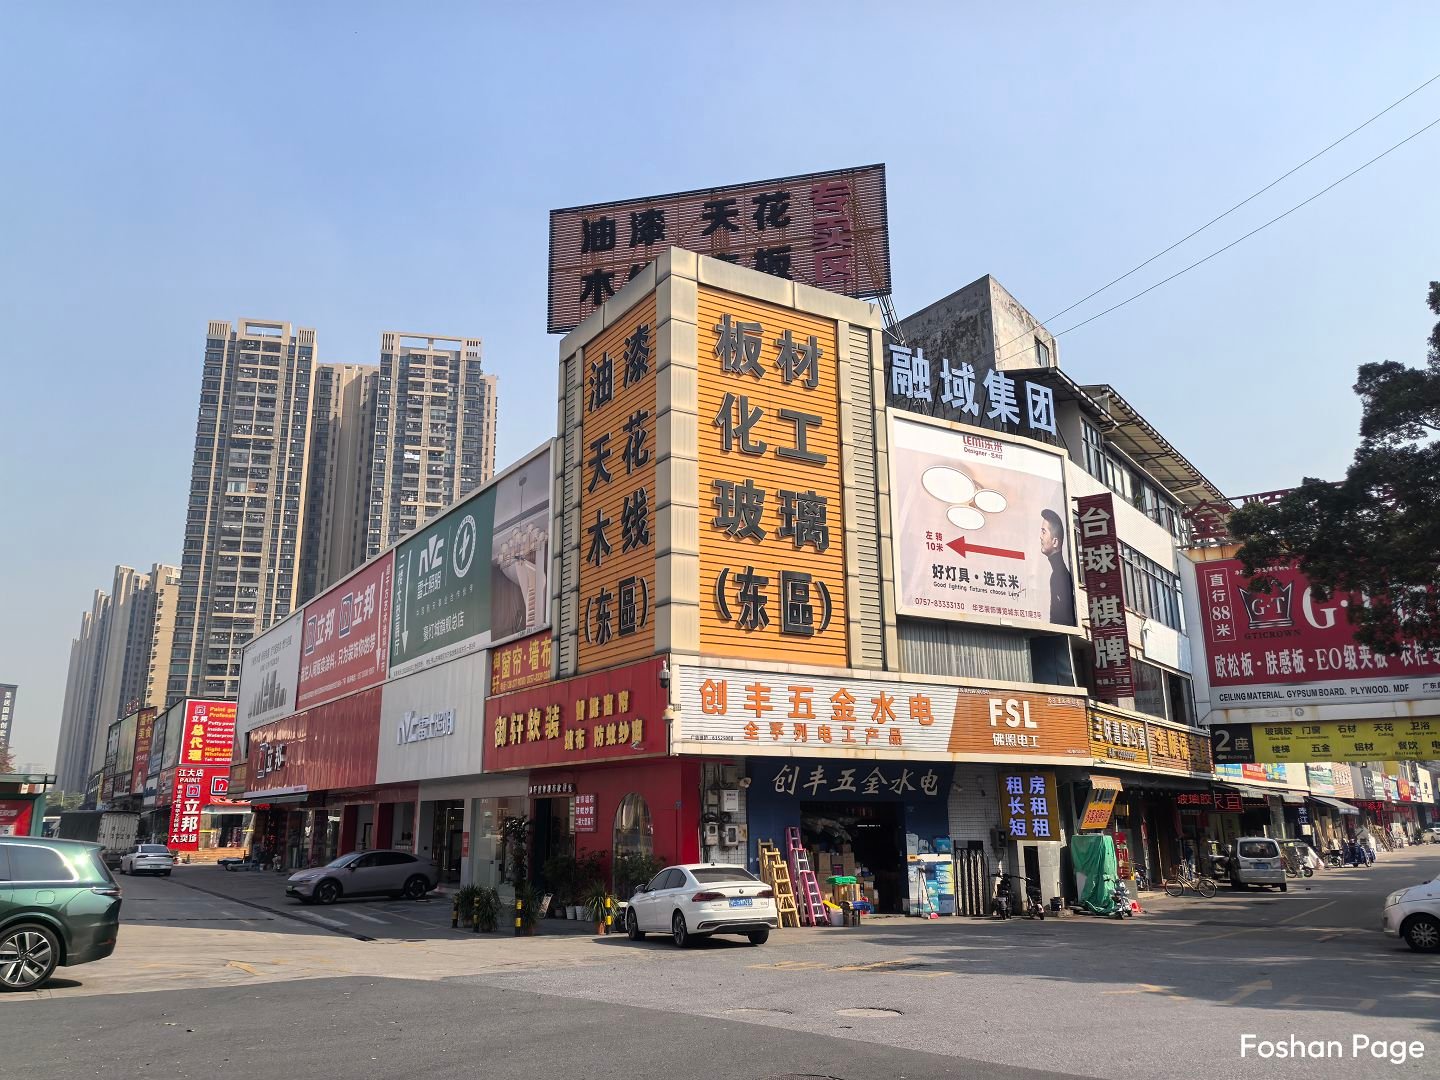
(357, 167)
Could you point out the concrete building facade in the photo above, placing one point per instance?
(342, 426)
(434, 437)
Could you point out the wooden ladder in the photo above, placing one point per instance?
(776, 874)
(812, 904)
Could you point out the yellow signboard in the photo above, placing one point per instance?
(772, 544)
(1367, 740)
(618, 493)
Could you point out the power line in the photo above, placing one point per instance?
(1252, 232)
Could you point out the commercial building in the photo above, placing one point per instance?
(434, 439)
(118, 663)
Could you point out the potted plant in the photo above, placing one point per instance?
(597, 905)
(528, 901)
(465, 903)
(486, 909)
(560, 879)
(589, 868)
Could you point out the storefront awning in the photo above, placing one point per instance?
(278, 800)
(1290, 798)
(1343, 807)
(1105, 783)
(1247, 792)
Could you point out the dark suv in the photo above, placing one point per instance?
(58, 906)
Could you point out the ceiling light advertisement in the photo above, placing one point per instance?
(980, 527)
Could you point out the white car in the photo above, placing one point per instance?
(700, 899)
(1414, 914)
(1256, 860)
(148, 859)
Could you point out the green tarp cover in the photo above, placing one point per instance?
(1094, 857)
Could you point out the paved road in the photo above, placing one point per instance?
(1165, 995)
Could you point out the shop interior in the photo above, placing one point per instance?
(863, 840)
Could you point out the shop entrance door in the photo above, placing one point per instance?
(447, 838)
(863, 838)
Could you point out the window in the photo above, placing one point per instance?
(634, 832)
(1042, 354)
(1151, 589)
(707, 875)
(393, 858)
(33, 863)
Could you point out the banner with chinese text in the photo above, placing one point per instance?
(196, 787)
(1329, 741)
(1099, 546)
(347, 636)
(1029, 805)
(521, 664)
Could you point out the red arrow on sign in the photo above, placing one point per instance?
(960, 547)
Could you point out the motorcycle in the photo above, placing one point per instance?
(1334, 858)
(1121, 898)
(1003, 904)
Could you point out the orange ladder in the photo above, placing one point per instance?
(776, 874)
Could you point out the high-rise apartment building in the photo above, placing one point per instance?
(7, 712)
(118, 663)
(241, 562)
(434, 438)
(341, 429)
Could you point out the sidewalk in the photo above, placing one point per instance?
(360, 917)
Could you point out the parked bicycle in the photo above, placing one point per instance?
(1183, 877)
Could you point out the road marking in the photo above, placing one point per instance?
(310, 917)
(1340, 1001)
(1312, 911)
(361, 915)
(876, 965)
(1245, 991)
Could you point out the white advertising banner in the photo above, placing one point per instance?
(432, 723)
(728, 710)
(270, 674)
(981, 527)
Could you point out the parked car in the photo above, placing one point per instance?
(148, 859)
(364, 873)
(59, 906)
(697, 900)
(1256, 860)
(1414, 914)
(1431, 835)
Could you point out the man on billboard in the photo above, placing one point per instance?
(1062, 584)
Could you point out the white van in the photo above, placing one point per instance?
(1257, 861)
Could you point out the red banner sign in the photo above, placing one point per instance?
(1223, 802)
(15, 817)
(608, 716)
(521, 664)
(1286, 646)
(1099, 547)
(196, 787)
(209, 737)
(347, 635)
(144, 736)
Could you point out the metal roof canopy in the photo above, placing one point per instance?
(1137, 437)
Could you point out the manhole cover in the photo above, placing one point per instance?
(758, 1012)
(878, 1013)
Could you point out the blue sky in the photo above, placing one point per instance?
(358, 167)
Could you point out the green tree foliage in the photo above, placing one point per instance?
(1377, 532)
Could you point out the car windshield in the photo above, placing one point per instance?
(343, 860)
(709, 875)
(1258, 849)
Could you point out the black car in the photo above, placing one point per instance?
(59, 907)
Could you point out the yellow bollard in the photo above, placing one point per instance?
(518, 909)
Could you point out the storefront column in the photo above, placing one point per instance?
(349, 820)
(384, 824)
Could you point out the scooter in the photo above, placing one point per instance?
(1121, 898)
(1334, 858)
(1002, 903)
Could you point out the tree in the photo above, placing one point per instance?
(1376, 533)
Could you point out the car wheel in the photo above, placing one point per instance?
(678, 930)
(1284, 886)
(28, 955)
(758, 937)
(327, 892)
(165, 873)
(416, 887)
(632, 926)
(1421, 933)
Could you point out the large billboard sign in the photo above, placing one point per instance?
(1286, 647)
(196, 787)
(981, 527)
(772, 514)
(829, 229)
(1405, 739)
(477, 575)
(144, 733)
(346, 645)
(270, 674)
(209, 734)
(736, 711)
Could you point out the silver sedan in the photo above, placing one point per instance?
(364, 873)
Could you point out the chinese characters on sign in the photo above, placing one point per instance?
(617, 713)
(584, 813)
(1222, 802)
(1028, 805)
(1288, 647)
(1356, 741)
(820, 780)
(772, 560)
(347, 636)
(955, 391)
(979, 527)
(192, 794)
(144, 737)
(618, 493)
(1118, 738)
(520, 664)
(824, 229)
(819, 715)
(209, 735)
(1171, 748)
(1099, 547)
(1103, 792)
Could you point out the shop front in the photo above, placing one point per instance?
(600, 783)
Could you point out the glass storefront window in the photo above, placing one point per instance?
(634, 833)
(487, 839)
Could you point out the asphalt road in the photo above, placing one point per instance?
(204, 984)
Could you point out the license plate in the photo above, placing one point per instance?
(1263, 866)
(746, 902)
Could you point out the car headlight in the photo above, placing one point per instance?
(1395, 898)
